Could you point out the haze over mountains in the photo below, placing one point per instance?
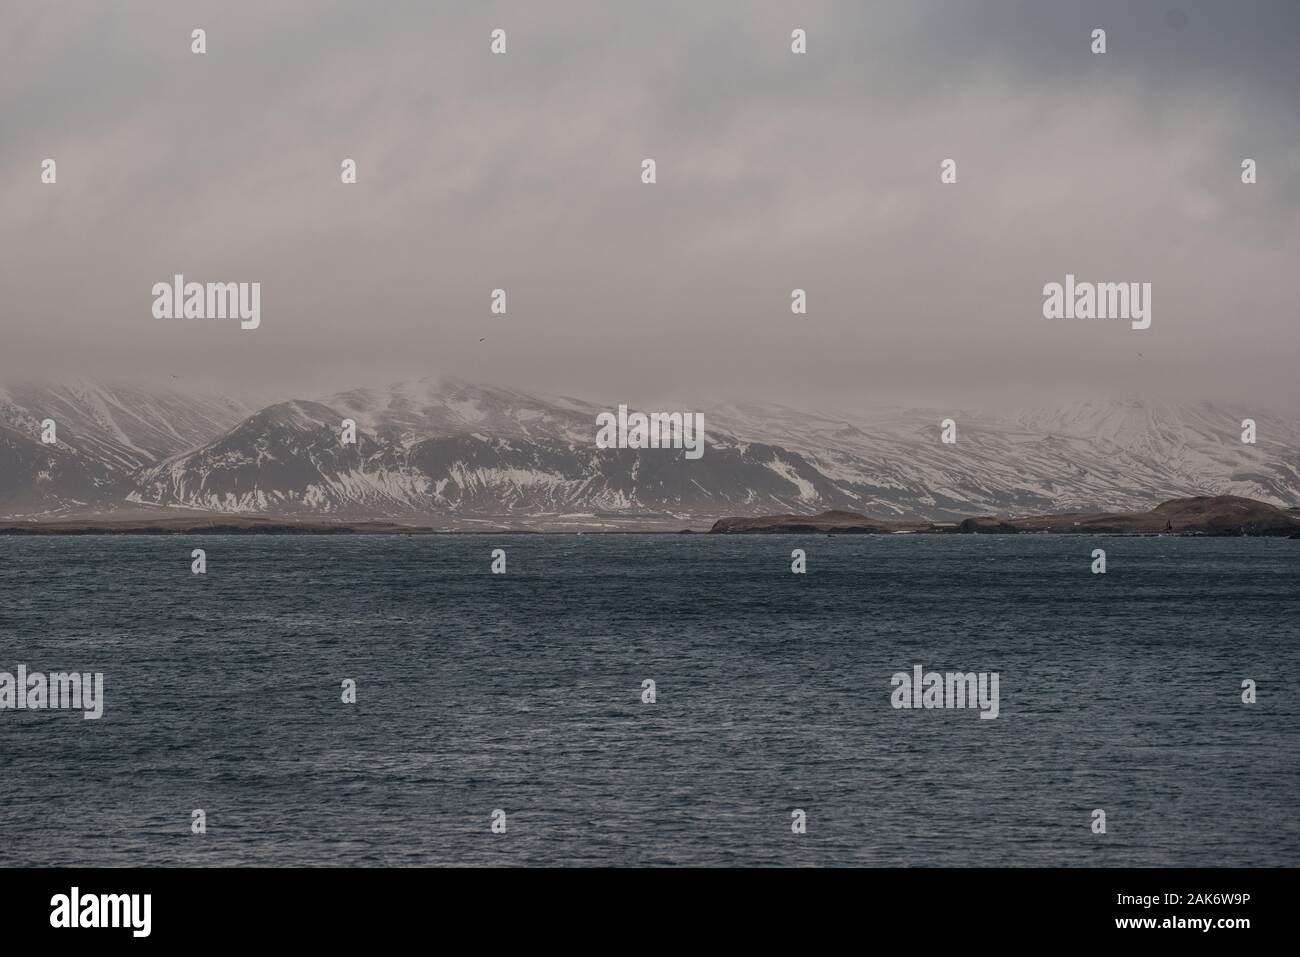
(450, 452)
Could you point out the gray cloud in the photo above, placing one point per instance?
(775, 171)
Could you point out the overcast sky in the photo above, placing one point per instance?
(775, 171)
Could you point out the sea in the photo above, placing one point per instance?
(504, 719)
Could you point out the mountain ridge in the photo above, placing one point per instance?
(446, 448)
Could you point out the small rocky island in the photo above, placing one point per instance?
(1219, 515)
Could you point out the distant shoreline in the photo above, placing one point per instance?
(226, 526)
(1200, 516)
(1204, 516)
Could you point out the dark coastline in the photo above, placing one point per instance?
(1201, 516)
(1208, 516)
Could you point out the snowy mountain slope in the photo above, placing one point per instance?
(38, 479)
(105, 433)
(1094, 456)
(441, 446)
(121, 427)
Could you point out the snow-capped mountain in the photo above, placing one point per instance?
(1091, 456)
(444, 448)
(105, 434)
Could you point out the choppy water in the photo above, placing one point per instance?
(523, 692)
